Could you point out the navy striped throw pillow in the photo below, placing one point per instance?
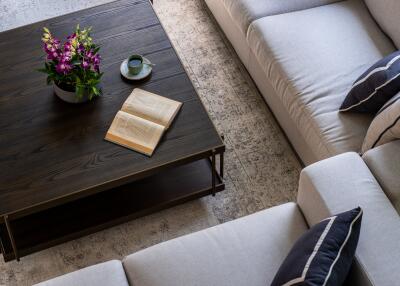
(375, 87)
(323, 255)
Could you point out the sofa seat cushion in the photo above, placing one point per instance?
(247, 251)
(244, 12)
(384, 163)
(109, 273)
(311, 58)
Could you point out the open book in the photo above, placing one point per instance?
(142, 120)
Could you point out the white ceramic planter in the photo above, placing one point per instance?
(69, 96)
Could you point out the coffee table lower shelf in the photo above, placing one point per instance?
(93, 213)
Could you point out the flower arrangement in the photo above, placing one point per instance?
(75, 65)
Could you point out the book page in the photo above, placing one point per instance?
(135, 133)
(150, 106)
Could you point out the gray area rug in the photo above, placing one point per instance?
(261, 169)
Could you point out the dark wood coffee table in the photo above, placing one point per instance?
(59, 179)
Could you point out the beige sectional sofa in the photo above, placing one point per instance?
(304, 56)
(249, 251)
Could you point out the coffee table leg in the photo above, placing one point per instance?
(221, 165)
(221, 160)
(213, 173)
(10, 235)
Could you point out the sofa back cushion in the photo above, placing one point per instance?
(384, 163)
(244, 12)
(386, 13)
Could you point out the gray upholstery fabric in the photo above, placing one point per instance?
(246, 11)
(384, 163)
(239, 42)
(387, 14)
(311, 58)
(109, 273)
(342, 183)
(247, 251)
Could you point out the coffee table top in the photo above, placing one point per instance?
(53, 152)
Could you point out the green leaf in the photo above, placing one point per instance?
(49, 80)
(95, 91)
(96, 49)
(79, 91)
(43, 70)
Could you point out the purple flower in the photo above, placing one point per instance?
(66, 57)
(89, 55)
(56, 43)
(96, 59)
(53, 55)
(46, 47)
(71, 37)
(67, 46)
(85, 64)
(96, 62)
(80, 49)
(63, 67)
(52, 50)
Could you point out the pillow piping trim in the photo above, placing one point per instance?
(342, 246)
(371, 95)
(314, 253)
(376, 70)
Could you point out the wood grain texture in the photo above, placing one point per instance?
(53, 152)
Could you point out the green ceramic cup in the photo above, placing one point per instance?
(135, 64)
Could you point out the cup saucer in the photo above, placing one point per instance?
(145, 72)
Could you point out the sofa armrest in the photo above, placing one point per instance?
(110, 273)
(344, 182)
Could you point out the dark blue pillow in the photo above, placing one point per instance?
(323, 255)
(375, 87)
